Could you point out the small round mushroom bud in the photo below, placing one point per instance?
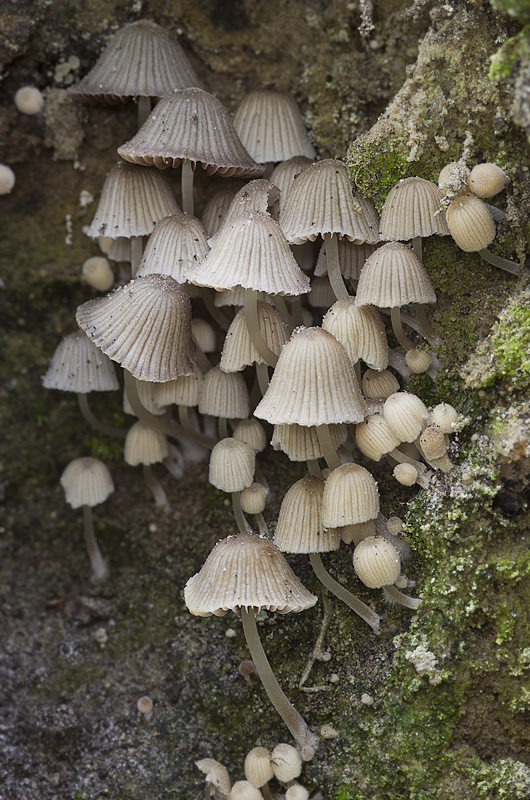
(243, 790)
(445, 417)
(97, 273)
(418, 360)
(297, 792)
(432, 443)
(258, 769)
(7, 179)
(487, 180)
(29, 100)
(286, 762)
(252, 433)
(394, 525)
(145, 707)
(248, 670)
(376, 562)
(406, 414)
(253, 498)
(406, 474)
(379, 384)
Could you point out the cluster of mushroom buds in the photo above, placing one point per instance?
(261, 766)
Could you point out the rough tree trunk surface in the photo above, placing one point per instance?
(450, 683)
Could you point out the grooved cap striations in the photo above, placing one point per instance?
(132, 201)
(300, 527)
(144, 325)
(258, 769)
(141, 60)
(351, 258)
(183, 391)
(176, 244)
(218, 203)
(285, 173)
(379, 384)
(350, 497)
(232, 465)
(224, 394)
(86, 482)
(360, 330)
(410, 210)
(190, 124)
(406, 414)
(143, 445)
(253, 498)
(320, 202)
(245, 571)
(375, 438)
(270, 125)
(301, 443)
(376, 562)
(79, 366)
(313, 383)
(470, 223)
(259, 195)
(238, 350)
(251, 252)
(252, 433)
(394, 276)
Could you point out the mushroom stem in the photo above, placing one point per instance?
(223, 428)
(162, 424)
(313, 467)
(262, 525)
(91, 418)
(353, 602)
(186, 186)
(242, 523)
(397, 327)
(145, 105)
(157, 490)
(428, 331)
(100, 569)
(326, 445)
(332, 263)
(416, 246)
(215, 313)
(189, 430)
(202, 359)
(502, 263)
(296, 312)
(251, 318)
(305, 739)
(281, 305)
(136, 254)
(402, 599)
(262, 374)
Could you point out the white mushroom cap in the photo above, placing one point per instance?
(232, 465)
(7, 179)
(252, 433)
(487, 180)
(406, 414)
(412, 208)
(375, 438)
(216, 775)
(350, 496)
(286, 762)
(29, 100)
(258, 769)
(300, 527)
(79, 366)
(176, 245)
(143, 445)
(470, 223)
(376, 562)
(244, 790)
(86, 482)
(253, 498)
(406, 474)
(224, 394)
(238, 350)
(379, 384)
(360, 330)
(394, 276)
(445, 417)
(97, 273)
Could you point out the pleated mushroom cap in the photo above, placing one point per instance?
(351, 258)
(183, 391)
(300, 528)
(360, 330)
(379, 384)
(375, 438)
(376, 562)
(86, 482)
(394, 276)
(245, 571)
(301, 443)
(251, 252)
(432, 443)
(144, 325)
(190, 124)
(143, 445)
(258, 195)
(132, 201)
(252, 433)
(176, 244)
(238, 350)
(410, 210)
(285, 173)
(470, 223)
(271, 127)
(218, 203)
(253, 498)
(120, 249)
(313, 383)
(224, 394)
(141, 60)
(320, 202)
(232, 464)
(350, 497)
(406, 414)
(79, 366)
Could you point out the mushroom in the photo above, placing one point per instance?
(412, 211)
(232, 464)
(378, 564)
(146, 446)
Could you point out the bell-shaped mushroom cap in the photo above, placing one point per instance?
(301, 443)
(78, 366)
(350, 497)
(132, 201)
(190, 124)
(120, 249)
(141, 60)
(379, 384)
(148, 398)
(238, 350)
(360, 330)
(376, 562)
(258, 195)
(271, 127)
(253, 498)
(251, 252)
(285, 173)
(351, 258)
(487, 180)
(258, 769)
(177, 244)
(245, 571)
(244, 790)
(313, 384)
(232, 465)
(86, 482)
(406, 474)
(144, 325)
(300, 527)
(320, 201)
(394, 276)
(375, 438)
(143, 445)
(445, 417)
(470, 223)
(406, 414)
(412, 208)
(286, 762)
(218, 203)
(183, 391)
(432, 443)
(216, 776)
(252, 433)
(224, 394)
